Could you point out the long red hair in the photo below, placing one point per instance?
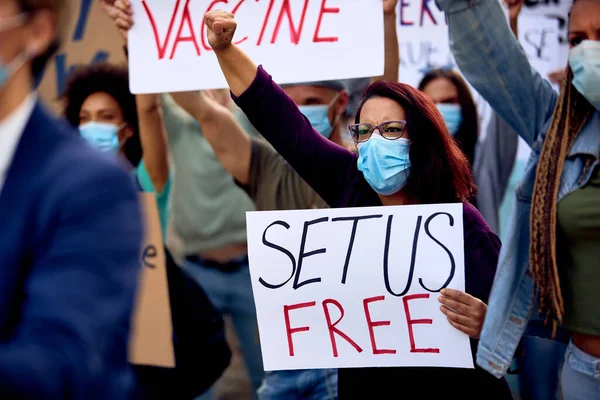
(440, 172)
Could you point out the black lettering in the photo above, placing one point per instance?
(281, 249)
(149, 252)
(537, 40)
(413, 257)
(352, 237)
(452, 263)
(304, 255)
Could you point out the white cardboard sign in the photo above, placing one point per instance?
(357, 287)
(423, 37)
(296, 40)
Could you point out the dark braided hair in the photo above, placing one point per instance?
(571, 113)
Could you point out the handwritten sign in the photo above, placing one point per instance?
(298, 40)
(82, 45)
(357, 287)
(151, 341)
(557, 10)
(539, 38)
(423, 37)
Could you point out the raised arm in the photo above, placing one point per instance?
(493, 62)
(225, 135)
(392, 47)
(153, 138)
(322, 164)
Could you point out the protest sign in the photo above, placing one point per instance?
(424, 43)
(539, 38)
(90, 38)
(357, 287)
(296, 40)
(557, 10)
(151, 340)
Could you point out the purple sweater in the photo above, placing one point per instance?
(332, 172)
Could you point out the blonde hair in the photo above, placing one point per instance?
(570, 115)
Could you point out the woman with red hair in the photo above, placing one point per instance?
(405, 156)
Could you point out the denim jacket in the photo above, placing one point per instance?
(493, 62)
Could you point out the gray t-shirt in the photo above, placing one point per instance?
(208, 210)
(274, 185)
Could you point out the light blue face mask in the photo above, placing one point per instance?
(584, 60)
(452, 115)
(103, 136)
(7, 70)
(385, 163)
(319, 117)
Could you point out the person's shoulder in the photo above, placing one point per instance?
(476, 228)
(473, 220)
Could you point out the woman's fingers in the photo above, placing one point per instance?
(463, 309)
(456, 317)
(124, 6)
(467, 330)
(455, 305)
(463, 302)
(123, 24)
(221, 28)
(457, 295)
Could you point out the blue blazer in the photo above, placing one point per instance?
(70, 236)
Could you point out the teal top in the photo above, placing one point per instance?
(162, 199)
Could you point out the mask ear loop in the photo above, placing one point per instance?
(120, 128)
(331, 103)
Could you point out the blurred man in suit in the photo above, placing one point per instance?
(70, 234)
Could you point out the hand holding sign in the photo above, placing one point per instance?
(221, 27)
(120, 13)
(464, 312)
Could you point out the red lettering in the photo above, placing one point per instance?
(372, 324)
(425, 10)
(295, 34)
(161, 47)
(333, 330)
(410, 322)
(329, 10)
(185, 18)
(264, 27)
(288, 328)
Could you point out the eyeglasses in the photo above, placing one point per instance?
(390, 130)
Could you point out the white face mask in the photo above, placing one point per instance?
(584, 60)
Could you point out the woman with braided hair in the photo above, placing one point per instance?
(551, 261)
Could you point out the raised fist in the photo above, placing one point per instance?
(221, 27)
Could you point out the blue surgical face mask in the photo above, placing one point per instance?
(8, 69)
(319, 117)
(103, 136)
(385, 163)
(584, 60)
(452, 114)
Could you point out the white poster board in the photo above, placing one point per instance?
(423, 37)
(296, 40)
(330, 293)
